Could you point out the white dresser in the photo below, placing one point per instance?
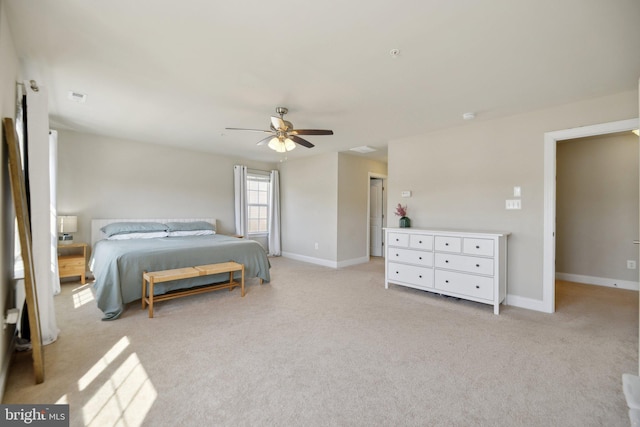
(469, 265)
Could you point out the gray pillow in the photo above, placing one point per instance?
(132, 227)
(190, 226)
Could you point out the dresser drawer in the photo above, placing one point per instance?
(448, 244)
(420, 241)
(468, 264)
(411, 256)
(465, 284)
(482, 247)
(398, 239)
(419, 276)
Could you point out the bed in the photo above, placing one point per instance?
(119, 260)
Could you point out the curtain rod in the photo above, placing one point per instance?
(32, 84)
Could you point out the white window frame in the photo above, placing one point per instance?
(263, 177)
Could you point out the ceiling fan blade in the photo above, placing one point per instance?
(265, 140)
(310, 132)
(301, 141)
(278, 123)
(251, 130)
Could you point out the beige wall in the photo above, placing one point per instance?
(111, 178)
(324, 201)
(597, 206)
(309, 202)
(461, 177)
(353, 207)
(9, 75)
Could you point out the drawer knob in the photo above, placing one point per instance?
(420, 276)
(420, 241)
(446, 244)
(477, 246)
(446, 261)
(477, 265)
(397, 272)
(419, 257)
(397, 254)
(446, 281)
(477, 287)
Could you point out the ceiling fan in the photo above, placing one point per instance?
(282, 136)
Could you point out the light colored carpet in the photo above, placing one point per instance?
(325, 347)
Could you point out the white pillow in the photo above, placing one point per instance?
(128, 236)
(182, 233)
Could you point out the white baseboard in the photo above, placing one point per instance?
(600, 281)
(311, 260)
(325, 262)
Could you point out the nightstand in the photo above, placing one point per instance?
(72, 260)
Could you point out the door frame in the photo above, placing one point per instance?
(384, 214)
(549, 241)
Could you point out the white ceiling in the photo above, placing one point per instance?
(179, 72)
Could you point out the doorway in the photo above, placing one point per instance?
(597, 201)
(376, 217)
(549, 241)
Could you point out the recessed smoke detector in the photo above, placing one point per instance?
(363, 149)
(394, 53)
(78, 97)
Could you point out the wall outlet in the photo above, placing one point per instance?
(513, 204)
(631, 265)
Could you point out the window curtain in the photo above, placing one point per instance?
(274, 215)
(43, 212)
(240, 189)
(53, 218)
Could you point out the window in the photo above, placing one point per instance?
(257, 202)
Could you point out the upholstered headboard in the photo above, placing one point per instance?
(97, 224)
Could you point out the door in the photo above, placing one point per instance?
(375, 215)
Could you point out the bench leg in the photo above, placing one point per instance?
(151, 298)
(242, 282)
(144, 291)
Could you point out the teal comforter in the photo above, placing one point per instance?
(118, 265)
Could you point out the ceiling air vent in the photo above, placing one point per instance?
(364, 149)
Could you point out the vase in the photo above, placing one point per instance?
(405, 222)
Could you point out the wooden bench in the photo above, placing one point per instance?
(154, 277)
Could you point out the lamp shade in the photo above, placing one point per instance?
(281, 145)
(67, 224)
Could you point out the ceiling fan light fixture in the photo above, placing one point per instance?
(281, 146)
(289, 144)
(284, 137)
(275, 145)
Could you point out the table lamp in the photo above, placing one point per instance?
(67, 225)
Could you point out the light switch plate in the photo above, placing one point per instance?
(406, 194)
(517, 191)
